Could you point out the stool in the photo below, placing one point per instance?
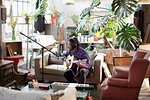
(16, 60)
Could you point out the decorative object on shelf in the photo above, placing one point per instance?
(57, 18)
(13, 23)
(27, 15)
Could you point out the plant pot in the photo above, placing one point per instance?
(27, 20)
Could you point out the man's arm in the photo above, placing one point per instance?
(84, 55)
(65, 55)
(87, 65)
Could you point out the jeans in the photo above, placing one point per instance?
(83, 72)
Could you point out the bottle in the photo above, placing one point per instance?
(35, 83)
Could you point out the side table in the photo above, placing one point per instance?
(16, 60)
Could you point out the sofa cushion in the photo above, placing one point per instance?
(53, 60)
(92, 55)
(54, 69)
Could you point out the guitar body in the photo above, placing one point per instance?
(70, 58)
(73, 66)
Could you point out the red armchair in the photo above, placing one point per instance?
(126, 84)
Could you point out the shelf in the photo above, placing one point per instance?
(13, 41)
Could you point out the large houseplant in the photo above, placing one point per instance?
(113, 23)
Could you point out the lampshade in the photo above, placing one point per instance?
(68, 1)
(11, 1)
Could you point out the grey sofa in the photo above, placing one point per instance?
(53, 68)
(9, 94)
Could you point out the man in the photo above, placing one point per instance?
(81, 69)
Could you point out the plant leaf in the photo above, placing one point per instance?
(123, 8)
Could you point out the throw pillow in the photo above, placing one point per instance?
(57, 95)
(53, 59)
(92, 55)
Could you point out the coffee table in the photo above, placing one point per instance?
(26, 88)
(81, 94)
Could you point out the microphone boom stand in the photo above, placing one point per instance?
(42, 53)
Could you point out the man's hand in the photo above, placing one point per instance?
(79, 63)
(68, 62)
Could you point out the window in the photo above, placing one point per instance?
(18, 7)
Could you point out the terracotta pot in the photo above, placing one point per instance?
(27, 20)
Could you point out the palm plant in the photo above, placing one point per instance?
(127, 37)
(114, 22)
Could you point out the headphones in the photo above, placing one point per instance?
(73, 40)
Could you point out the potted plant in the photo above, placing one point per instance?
(113, 23)
(27, 15)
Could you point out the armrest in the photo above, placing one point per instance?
(118, 82)
(98, 62)
(121, 61)
(70, 94)
(38, 59)
(120, 73)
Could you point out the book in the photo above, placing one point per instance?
(10, 50)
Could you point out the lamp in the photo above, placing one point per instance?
(68, 2)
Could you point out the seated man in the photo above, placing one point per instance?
(80, 68)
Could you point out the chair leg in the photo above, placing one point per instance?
(98, 86)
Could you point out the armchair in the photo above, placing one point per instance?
(126, 84)
(124, 62)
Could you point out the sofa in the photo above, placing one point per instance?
(53, 68)
(9, 94)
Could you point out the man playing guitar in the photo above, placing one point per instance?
(81, 69)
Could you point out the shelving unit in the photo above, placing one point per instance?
(16, 46)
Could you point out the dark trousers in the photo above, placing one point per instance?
(69, 75)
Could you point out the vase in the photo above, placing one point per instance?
(13, 34)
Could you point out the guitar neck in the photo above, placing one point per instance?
(82, 61)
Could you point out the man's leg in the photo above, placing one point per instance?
(83, 73)
(68, 74)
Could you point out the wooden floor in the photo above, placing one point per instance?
(145, 91)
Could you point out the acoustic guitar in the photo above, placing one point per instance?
(73, 65)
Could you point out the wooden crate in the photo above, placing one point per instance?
(14, 46)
